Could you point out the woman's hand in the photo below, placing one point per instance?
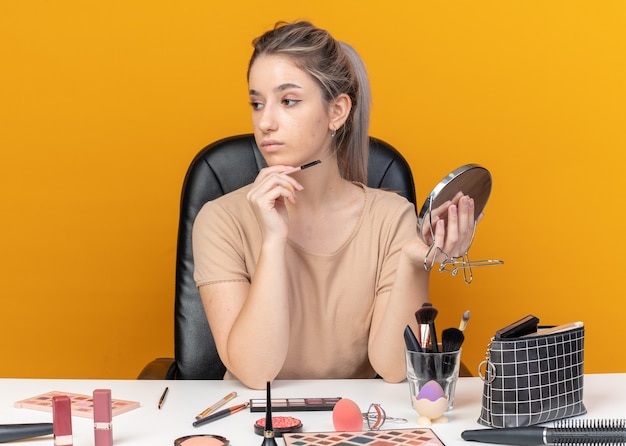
(452, 231)
(435, 215)
(267, 196)
(454, 237)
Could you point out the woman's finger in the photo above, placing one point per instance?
(466, 218)
(452, 230)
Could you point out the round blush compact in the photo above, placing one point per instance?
(281, 425)
(201, 440)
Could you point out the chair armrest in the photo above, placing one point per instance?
(159, 368)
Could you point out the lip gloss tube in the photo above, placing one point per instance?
(62, 420)
(102, 417)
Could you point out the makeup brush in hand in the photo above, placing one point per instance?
(425, 317)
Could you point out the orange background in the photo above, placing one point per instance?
(104, 104)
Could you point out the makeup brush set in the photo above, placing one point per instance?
(426, 339)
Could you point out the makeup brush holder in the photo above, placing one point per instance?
(424, 367)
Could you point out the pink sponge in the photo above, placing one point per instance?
(347, 416)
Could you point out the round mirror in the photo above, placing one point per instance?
(470, 179)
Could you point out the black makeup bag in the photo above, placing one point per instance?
(532, 380)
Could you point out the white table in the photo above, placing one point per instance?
(604, 397)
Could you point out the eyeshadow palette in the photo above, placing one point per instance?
(294, 404)
(82, 405)
(392, 437)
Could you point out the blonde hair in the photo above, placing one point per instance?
(338, 69)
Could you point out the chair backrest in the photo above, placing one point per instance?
(219, 168)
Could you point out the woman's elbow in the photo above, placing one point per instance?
(254, 379)
(391, 371)
(394, 377)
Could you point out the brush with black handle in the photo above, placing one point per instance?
(13, 432)
(451, 341)
(412, 344)
(564, 433)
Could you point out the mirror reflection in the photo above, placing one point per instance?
(472, 180)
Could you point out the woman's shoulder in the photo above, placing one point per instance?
(386, 199)
(232, 203)
(389, 212)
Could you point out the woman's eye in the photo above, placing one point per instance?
(290, 102)
(256, 105)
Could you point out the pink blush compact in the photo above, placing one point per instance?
(281, 425)
(201, 440)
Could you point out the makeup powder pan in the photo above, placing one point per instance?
(201, 440)
(280, 426)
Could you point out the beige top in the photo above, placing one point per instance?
(332, 294)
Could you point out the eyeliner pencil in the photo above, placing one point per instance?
(162, 399)
(221, 414)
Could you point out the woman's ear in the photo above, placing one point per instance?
(339, 110)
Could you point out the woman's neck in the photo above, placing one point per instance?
(323, 188)
(326, 211)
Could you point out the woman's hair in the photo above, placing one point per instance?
(338, 69)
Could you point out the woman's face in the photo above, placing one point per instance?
(290, 118)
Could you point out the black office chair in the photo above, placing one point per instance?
(217, 169)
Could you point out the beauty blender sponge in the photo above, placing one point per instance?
(347, 416)
(431, 391)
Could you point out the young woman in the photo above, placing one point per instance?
(309, 273)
